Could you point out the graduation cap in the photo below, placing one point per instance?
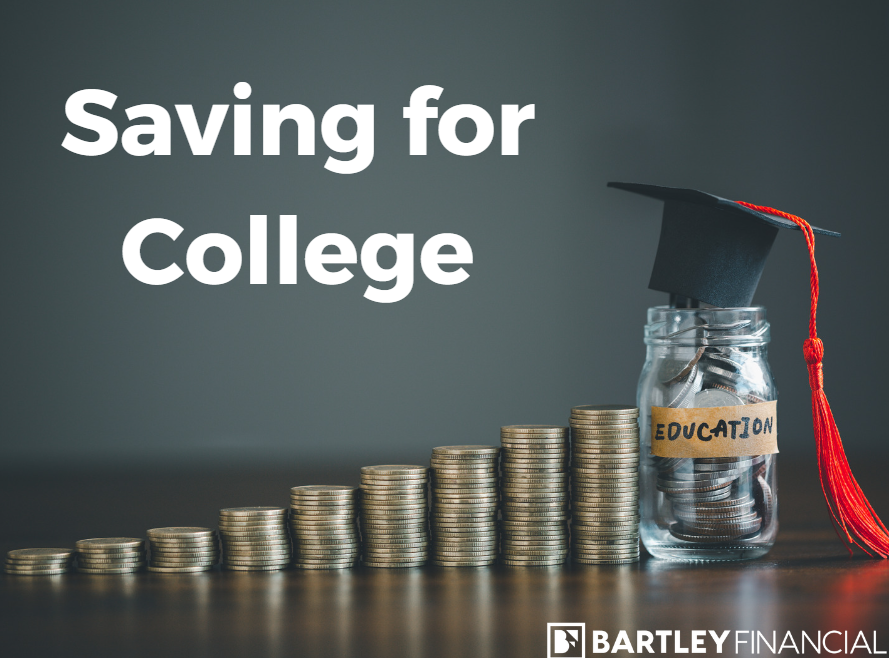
(713, 250)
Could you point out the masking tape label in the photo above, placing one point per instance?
(741, 431)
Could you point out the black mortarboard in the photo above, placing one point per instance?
(711, 249)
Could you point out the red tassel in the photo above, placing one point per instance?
(849, 508)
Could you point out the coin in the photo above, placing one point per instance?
(252, 512)
(41, 554)
(319, 490)
(110, 544)
(608, 410)
(174, 569)
(396, 469)
(466, 450)
(29, 567)
(111, 569)
(180, 533)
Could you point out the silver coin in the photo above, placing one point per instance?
(683, 394)
(731, 466)
(394, 469)
(171, 570)
(180, 533)
(382, 485)
(604, 410)
(324, 490)
(185, 544)
(195, 556)
(253, 511)
(196, 566)
(113, 561)
(705, 476)
(46, 571)
(323, 566)
(258, 562)
(185, 560)
(251, 549)
(466, 450)
(110, 571)
(37, 554)
(534, 428)
(336, 563)
(594, 423)
(715, 397)
(110, 544)
(695, 538)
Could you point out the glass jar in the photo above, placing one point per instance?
(711, 507)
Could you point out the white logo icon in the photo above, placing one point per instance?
(565, 641)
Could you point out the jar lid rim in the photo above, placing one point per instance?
(664, 307)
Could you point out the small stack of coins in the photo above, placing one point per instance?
(534, 494)
(322, 518)
(39, 561)
(394, 516)
(711, 497)
(464, 505)
(182, 550)
(111, 555)
(254, 538)
(605, 484)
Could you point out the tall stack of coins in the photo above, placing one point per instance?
(111, 555)
(394, 516)
(605, 484)
(182, 550)
(322, 519)
(39, 561)
(464, 505)
(254, 538)
(534, 495)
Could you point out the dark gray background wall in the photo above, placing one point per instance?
(782, 104)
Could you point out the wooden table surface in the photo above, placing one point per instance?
(807, 583)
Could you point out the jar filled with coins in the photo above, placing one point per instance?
(708, 435)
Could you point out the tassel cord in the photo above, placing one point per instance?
(854, 519)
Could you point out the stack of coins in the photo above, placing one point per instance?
(254, 538)
(605, 484)
(394, 516)
(39, 561)
(721, 499)
(464, 505)
(711, 497)
(182, 550)
(322, 519)
(111, 555)
(534, 495)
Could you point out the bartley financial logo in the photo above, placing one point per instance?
(569, 640)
